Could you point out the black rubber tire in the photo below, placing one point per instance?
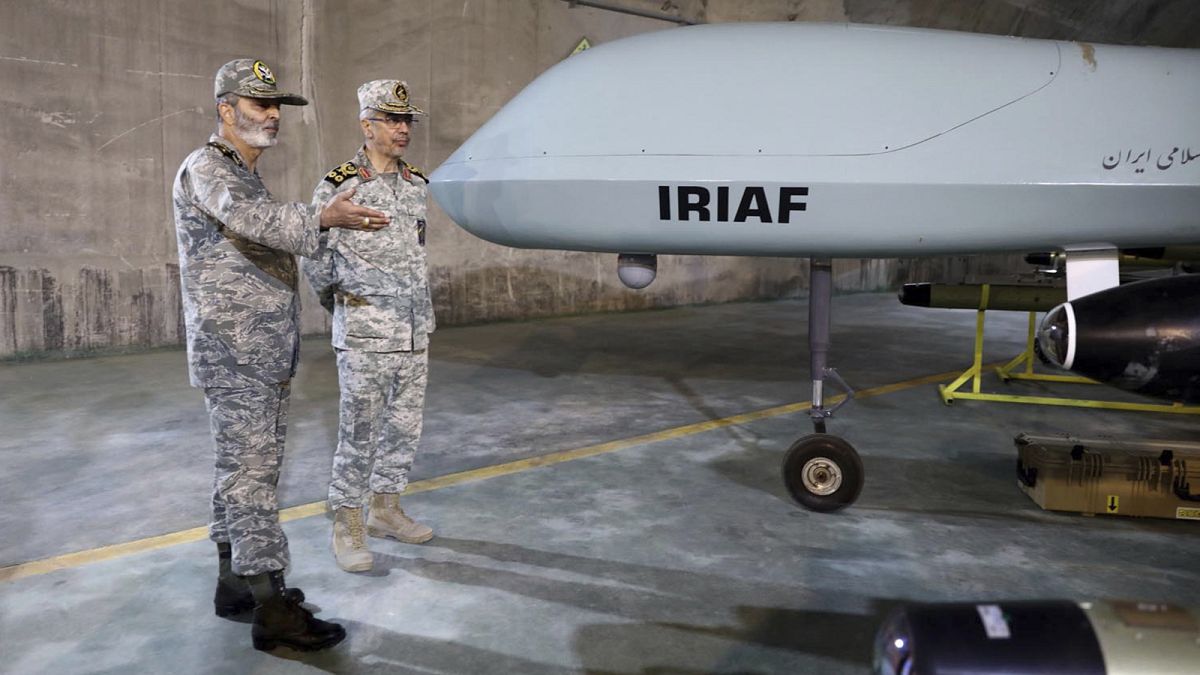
(836, 450)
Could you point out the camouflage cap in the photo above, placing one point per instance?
(389, 96)
(252, 78)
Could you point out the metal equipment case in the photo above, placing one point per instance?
(1159, 479)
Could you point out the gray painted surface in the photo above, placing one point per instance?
(861, 140)
(681, 556)
(100, 116)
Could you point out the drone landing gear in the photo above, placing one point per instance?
(822, 472)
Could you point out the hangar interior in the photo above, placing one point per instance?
(603, 478)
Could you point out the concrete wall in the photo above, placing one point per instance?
(103, 100)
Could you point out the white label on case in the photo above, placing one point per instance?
(993, 622)
(1189, 514)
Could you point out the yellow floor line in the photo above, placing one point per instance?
(79, 558)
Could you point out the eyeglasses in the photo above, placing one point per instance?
(395, 122)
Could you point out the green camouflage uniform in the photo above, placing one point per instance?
(238, 278)
(376, 284)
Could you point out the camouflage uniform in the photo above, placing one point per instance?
(238, 279)
(376, 284)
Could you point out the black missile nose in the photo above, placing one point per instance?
(916, 295)
(1041, 259)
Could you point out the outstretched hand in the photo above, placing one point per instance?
(339, 211)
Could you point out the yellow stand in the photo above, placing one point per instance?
(974, 374)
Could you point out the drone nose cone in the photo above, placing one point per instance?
(447, 186)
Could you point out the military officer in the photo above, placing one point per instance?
(238, 279)
(377, 288)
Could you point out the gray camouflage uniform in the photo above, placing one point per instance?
(377, 288)
(238, 278)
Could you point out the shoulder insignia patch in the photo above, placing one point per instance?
(342, 173)
(231, 154)
(415, 171)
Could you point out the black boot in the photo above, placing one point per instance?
(233, 596)
(280, 621)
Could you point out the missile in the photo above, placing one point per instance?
(837, 140)
(1038, 637)
(1188, 257)
(1014, 297)
(1143, 337)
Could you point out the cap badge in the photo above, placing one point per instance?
(401, 93)
(263, 72)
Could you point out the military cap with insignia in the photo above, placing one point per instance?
(389, 96)
(252, 78)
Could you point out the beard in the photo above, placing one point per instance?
(386, 145)
(255, 134)
(394, 152)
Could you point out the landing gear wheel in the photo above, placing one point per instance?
(823, 473)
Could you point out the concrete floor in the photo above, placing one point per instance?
(682, 555)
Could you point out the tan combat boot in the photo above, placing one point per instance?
(387, 519)
(350, 540)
